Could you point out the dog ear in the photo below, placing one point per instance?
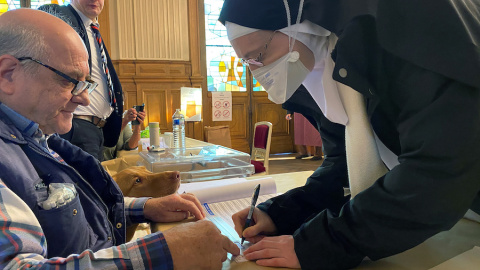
(125, 180)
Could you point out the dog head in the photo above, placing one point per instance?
(137, 181)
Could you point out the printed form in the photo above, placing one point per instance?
(221, 215)
(223, 198)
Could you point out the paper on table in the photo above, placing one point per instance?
(220, 214)
(467, 260)
(228, 189)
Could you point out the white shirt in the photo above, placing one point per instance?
(99, 99)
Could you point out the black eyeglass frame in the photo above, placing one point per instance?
(79, 87)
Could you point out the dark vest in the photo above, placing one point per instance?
(94, 220)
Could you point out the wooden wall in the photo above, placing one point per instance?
(154, 47)
(158, 46)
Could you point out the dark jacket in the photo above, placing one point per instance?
(422, 100)
(111, 130)
(94, 220)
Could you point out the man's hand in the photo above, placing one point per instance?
(261, 225)
(130, 115)
(173, 208)
(198, 245)
(140, 117)
(276, 251)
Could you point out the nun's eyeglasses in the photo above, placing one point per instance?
(78, 86)
(258, 61)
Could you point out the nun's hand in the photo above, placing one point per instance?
(275, 251)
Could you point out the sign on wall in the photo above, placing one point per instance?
(191, 103)
(222, 106)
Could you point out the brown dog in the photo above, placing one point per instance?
(137, 181)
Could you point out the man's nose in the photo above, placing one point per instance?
(82, 99)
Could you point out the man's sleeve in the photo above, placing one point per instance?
(134, 210)
(23, 245)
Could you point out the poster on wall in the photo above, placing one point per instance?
(191, 103)
(222, 106)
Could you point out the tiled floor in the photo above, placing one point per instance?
(284, 163)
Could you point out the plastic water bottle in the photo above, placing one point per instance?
(178, 130)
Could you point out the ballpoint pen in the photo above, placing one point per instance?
(256, 191)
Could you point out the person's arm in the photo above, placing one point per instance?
(324, 188)
(135, 137)
(23, 245)
(428, 192)
(170, 208)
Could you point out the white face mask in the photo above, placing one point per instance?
(283, 77)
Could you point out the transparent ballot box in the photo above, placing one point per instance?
(201, 163)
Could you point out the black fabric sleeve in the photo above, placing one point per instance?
(437, 180)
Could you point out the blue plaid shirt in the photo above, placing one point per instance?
(23, 244)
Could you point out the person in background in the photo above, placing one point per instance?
(129, 136)
(307, 138)
(60, 209)
(387, 70)
(99, 123)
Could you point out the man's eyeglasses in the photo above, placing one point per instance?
(258, 61)
(79, 86)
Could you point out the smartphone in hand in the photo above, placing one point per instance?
(138, 108)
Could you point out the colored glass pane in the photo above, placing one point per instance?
(225, 71)
(6, 5)
(37, 3)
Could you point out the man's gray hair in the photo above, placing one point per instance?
(20, 40)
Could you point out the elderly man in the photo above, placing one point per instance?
(43, 78)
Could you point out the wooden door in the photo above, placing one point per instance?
(249, 108)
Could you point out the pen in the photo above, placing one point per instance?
(256, 191)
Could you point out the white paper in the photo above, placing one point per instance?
(223, 198)
(220, 214)
(228, 189)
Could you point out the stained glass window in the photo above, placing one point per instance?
(225, 72)
(6, 5)
(37, 3)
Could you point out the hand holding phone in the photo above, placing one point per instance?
(138, 108)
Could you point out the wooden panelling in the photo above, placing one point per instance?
(163, 69)
(142, 83)
(265, 110)
(126, 69)
(158, 47)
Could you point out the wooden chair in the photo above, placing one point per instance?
(262, 136)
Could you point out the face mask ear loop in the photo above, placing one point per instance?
(287, 9)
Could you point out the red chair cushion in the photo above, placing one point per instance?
(258, 166)
(261, 136)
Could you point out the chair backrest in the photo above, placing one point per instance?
(262, 137)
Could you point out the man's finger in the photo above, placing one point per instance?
(187, 205)
(176, 216)
(229, 246)
(191, 197)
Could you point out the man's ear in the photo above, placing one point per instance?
(8, 64)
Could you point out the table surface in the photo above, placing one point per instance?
(436, 250)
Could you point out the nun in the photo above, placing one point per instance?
(404, 81)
